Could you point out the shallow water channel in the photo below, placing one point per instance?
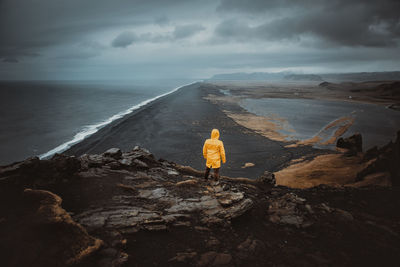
(302, 119)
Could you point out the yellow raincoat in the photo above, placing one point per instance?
(213, 150)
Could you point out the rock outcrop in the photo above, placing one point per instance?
(352, 143)
(38, 232)
(145, 195)
(267, 178)
(171, 198)
(382, 162)
(128, 208)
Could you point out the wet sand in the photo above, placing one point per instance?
(175, 127)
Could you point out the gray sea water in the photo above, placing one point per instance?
(307, 117)
(40, 118)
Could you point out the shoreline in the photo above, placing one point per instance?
(175, 124)
(89, 130)
(175, 127)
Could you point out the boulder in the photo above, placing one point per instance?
(140, 164)
(289, 210)
(144, 153)
(126, 161)
(239, 209)
(352, 143)
(227, 198)
(267, 178)
(66, 164)
(382, 160)
(115, 165)
(94, 161)
(113, 153)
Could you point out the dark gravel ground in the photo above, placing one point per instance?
(176, 126)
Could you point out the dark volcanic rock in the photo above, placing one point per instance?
(158, 213)
(352, 143)
(65, 164)
(324, 84)
(29, 166)
(268, 178)
(371, 153)
(395, 106)
(383, 160)
(113, 153)
(33, 171)
(290, 210)
(43, 234)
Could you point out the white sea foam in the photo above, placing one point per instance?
(91, 129)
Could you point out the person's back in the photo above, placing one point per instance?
(213, 152)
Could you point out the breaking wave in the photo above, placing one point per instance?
(91, 129)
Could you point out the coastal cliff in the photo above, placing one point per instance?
(131, 209)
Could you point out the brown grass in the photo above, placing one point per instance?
(331, 169)
(265, 126)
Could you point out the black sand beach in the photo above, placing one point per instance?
(175, 127)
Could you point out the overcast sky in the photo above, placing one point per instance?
(131, 39)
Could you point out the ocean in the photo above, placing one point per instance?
(40, 118)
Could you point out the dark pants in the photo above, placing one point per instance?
(216, 173)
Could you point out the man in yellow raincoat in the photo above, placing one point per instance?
(213, 152)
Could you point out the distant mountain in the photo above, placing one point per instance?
(266, 76)
(362, 76)
(303, 77)
(255, 76)
(289, 76)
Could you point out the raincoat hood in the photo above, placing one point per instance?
(215, 134)
(214, 151)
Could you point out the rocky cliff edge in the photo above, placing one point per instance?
(130, 209)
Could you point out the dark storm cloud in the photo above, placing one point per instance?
(124, 39)
(26, 27)
(128, 38)
(79, 55)
(341, 22)
(185, 31)
(48, 37)
(10, 60)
